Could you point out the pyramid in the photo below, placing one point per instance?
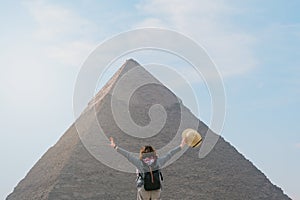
(69, 170)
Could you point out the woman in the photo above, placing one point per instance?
(148, 161)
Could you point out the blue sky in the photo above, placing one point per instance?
(255, 45)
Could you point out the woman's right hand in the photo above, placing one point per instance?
(183, 142)
(112, 143)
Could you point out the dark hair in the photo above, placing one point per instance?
(147, 151)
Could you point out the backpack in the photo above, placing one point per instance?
(150, 180)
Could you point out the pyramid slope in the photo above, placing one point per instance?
(44, 175)
(69, 171)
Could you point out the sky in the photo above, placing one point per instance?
(254, 44)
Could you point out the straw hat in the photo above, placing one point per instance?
(193, 138)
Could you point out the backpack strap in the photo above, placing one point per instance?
(161, 176)
(151, 173)
(140, 175)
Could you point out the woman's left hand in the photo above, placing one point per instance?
(112, 143)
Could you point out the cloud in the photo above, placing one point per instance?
(297, 145)
(65, 36)
(71, 53)
(55, 21)
(209, 23)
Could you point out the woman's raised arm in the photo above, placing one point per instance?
(135, 161)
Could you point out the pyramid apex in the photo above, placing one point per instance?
(126, 67)
(131, 60)
(129, 64)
